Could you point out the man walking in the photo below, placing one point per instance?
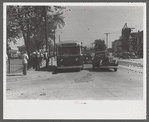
(25, 62)
(6, 63)
(34, 59)
(37, 60)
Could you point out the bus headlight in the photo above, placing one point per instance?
(76, 59)
(116, 62)
(100, 62)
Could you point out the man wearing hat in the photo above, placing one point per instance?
(25, 62)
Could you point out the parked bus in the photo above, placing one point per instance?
(69, 55)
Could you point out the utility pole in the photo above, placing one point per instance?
(46, 29)
(54, 40)
(59, 37)
(107, 40)
(46, 37)
(92, 45)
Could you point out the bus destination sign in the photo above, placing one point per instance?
(69, 45)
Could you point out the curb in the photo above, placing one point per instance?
(129, 63)
(32, 74)
(132, 68)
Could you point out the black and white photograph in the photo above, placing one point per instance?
(76, 60)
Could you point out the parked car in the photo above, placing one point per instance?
(133, 55)
(124, 55)
(103, 59)
(117, 54)
(128, 55)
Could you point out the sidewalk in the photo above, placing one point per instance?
(131, 62)
(31, 74)
(17, 75)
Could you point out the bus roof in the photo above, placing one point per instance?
(68, 42)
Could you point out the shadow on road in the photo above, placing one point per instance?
(66, 71)
(53, 69)
(50, 68)
(98, 70)
(15, 75)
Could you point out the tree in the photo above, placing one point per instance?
(24, 20)
(99, 45)
(53, 21)
(13, 30)
(85, 48)
(28, 21)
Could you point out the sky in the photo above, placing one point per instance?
(88, 23)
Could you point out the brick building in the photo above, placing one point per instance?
(139, 44)
(132, 42)
(135, 44)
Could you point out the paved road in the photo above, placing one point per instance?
(88, 84)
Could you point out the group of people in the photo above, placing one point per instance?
(37, 57)
(36, 60)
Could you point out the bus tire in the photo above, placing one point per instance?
(82, 67)
(115, 69)
(93, 67)
(79, 70)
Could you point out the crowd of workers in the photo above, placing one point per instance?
(36, 60)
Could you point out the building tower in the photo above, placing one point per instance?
(125, 37)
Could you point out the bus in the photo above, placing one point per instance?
(69, 55)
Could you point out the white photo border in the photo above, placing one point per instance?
(61, 109)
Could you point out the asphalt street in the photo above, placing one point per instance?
(88, 84)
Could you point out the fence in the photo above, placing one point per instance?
(17, 67)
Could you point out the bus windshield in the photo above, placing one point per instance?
(100, 54)
(68, 50)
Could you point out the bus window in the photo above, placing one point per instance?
(69, 51)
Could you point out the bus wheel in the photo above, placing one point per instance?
(115, 69)
(82, 67)
(107, 69)
(93, 67)
(79, 70)
(55, 71)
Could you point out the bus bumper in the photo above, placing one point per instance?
(69, 67)
(111, 67)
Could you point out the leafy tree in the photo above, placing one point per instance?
(23, 21)
(29, 22)
(85, 48)
(99, 45)
(13, 30)
(53, 21)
